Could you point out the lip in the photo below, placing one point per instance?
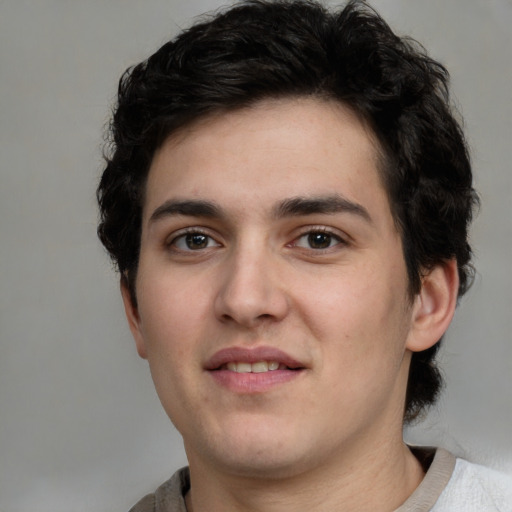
(252, 383)
(252, 355)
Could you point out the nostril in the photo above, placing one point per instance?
(249, 303)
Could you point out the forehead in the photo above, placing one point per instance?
(269, 151)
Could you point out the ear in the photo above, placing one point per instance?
(434, 306)
(134, 321)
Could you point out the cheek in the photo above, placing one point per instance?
(170, 325)
(357, 299)
(362, 340)
(170, 316)
(362, 319)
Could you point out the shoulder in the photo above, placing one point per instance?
(453, 484)
(475, 488)
(169, 497)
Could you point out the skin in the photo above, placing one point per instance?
(328, 288)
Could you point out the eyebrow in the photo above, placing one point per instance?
(190, 208)
(297, 206)
(291, 207)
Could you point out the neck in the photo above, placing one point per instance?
(381, 479)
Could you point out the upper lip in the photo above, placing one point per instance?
(251, 355)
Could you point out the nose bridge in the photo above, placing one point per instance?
(250, 289)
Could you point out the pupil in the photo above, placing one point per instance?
(319, 240)
(196, 241)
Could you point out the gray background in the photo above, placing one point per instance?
(80, 425)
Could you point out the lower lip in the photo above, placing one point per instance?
(253, 382)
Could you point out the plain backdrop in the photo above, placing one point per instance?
(81, 427)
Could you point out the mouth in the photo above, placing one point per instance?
(252, 360)
(253, 370)
(258, 367)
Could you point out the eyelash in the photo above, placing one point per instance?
(172, 244)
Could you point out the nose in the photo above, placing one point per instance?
(251, 291)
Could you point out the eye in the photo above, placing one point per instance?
(193, 241)
(318, 240)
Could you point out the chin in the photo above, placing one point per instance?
(264, 464)
(260, 452)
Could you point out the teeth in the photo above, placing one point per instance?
(258, 367)
(243, 367)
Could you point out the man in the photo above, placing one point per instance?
(287, 200)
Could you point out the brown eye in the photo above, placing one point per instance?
(194, 242)
(318, 240)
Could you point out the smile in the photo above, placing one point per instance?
(253, 370)
(252, 360)
(257, 367)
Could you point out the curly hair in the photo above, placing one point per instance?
(262, 49)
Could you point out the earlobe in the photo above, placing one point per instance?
(434, 306)
(132, 315)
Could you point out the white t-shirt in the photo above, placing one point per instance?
(453, 485)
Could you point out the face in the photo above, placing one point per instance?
(272, 290)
